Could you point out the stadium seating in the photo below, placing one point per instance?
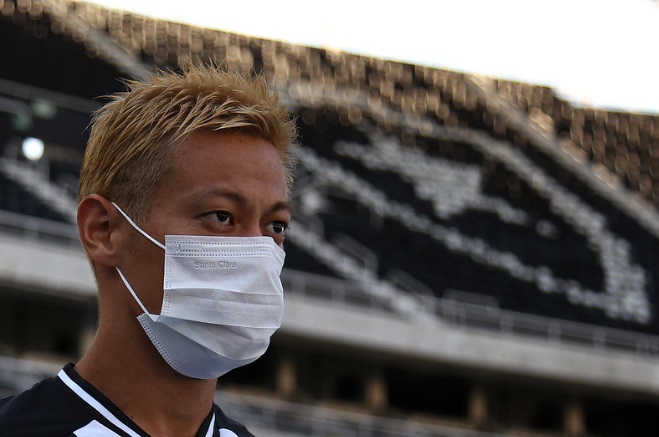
(501, 210)
(495, 204)
(17, 200)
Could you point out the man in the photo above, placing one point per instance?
(183, 207)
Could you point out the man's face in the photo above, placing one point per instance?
(221, 184)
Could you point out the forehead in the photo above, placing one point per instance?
(207, 161)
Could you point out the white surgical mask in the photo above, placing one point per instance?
(222, 301)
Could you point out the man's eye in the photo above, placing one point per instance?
(221, 217)
(277, 228)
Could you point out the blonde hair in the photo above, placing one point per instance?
(132, 137)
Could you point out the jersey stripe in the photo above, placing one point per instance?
(95, 429)
(209, 433)
(95, 404)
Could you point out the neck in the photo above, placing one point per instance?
(125, 366)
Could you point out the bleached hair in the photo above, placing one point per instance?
(133, 135)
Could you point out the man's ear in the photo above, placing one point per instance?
(97, 225)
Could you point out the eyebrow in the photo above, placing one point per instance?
(239, 198)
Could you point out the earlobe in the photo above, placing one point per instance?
(96, 225)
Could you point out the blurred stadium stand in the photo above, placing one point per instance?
(469, 256)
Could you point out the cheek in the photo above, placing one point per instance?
(144, 268)
(154, 273)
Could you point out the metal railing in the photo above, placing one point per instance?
(485, 316)
(34, 228)
(295, 419)
(553, 330)
(274, 416)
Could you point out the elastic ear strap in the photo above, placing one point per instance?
(138, 229)
(123, 278)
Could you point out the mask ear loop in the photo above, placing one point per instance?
(153, 240)
(137, 228)
(125, 281)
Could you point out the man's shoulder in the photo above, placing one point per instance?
(38, 409)
(45, 409)
(42, 396)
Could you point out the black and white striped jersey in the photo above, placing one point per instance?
(67, 405)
